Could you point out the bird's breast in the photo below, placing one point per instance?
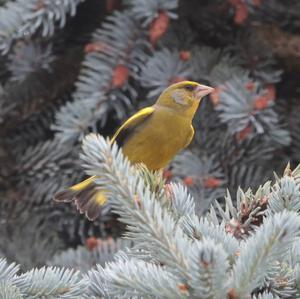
(157, 141)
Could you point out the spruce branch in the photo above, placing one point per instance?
(202, 175)
(202, 228)
(150, 225)
(295, 174)
(29, 57)
(247, 174)
(10, 21)
(7, 271)
(265, 296)
(261, 65)
(155, 181)
(31, 131)
(226, 69)
(5, 107)
(22, 18)
(48, 282)
(280, 280)
(48, 168)
(199, 228)
(275, 13)
(163, 68)
(294, 127)
(272, 240)
(51, 282)
(209, 267)
(75, 118)
(176, 253)
(242, 219)
(237, 106)
(202, 68)
(46, 14)
(84, 258)
(285, 195)
(133, 278)
(250, 147)
(9, 291)
(182, 202)
(148, 10)
(242, 107)
(297, 277)
(214, 65)
(135, 204)
(23, 99)
(28, 235)
(114, 56)
(232, 151)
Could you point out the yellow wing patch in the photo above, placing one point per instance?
(101, 199)
(83, 184)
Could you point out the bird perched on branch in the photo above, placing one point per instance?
(152, 136)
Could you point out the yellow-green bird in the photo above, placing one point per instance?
(152, 136)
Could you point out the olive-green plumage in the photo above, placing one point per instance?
(152, 136)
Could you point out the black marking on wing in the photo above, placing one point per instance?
(128, 131)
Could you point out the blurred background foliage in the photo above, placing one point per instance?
(70, 67)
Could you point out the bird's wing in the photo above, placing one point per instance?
(127, 129)
(86, 196)
(190, 137)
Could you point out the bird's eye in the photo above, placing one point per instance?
(189, 87)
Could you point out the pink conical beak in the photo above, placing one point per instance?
(202, 91)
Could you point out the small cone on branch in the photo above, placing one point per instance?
(270, 92)
(250, 86)
(96, 47)
(241, 11)
(261, 103)
(188, 181)
(185, 55)
(167, 174)
(240, 136)
(241, 14)
(92, 243)
(158, 27)
(183, 288)
(112, 5)
(120, 76)
(211, 182)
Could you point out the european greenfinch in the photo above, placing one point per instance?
(152, 136)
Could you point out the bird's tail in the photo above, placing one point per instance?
(87, 197)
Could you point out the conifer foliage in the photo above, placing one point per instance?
(215, 223)
(249, 251)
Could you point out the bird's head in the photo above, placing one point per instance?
(184, 96)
